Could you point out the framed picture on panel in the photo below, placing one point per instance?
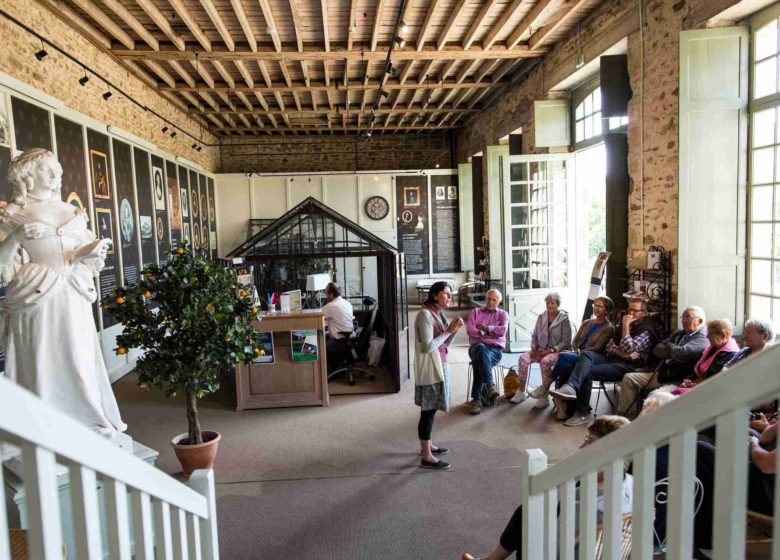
(100, 174)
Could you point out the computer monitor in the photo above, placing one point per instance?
(317, 282)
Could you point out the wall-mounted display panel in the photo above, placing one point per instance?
(445, 225)
(32, 125)
(161, 230)
(174, 202)
(128, 228)
(145, 204)
(412, 220)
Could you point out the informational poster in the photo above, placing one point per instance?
(174, 202)
(304, 345)
(266, 355)
(204, 214)
(445, 227)
(32, 127)
(106, 226)
(160, 209)
(186, 212)
(412, 220)
(75, 175)
(212, 219)
(128, 228)
(195, 210)
(143, 189)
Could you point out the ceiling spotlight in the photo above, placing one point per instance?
(404, 28)
(173, 134)
(107, 95)
(164, 129)
(199, 148)
(376, 177)
(84, 79)
(437, 166)
(194, 146)
(384, 93)
(401, 42)
(41, 54)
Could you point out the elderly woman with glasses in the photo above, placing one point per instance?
(510, 538)
(551, 336)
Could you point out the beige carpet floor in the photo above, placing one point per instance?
(343, 481)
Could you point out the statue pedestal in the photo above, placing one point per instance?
(16, 506)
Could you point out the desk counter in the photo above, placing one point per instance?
(285, 382)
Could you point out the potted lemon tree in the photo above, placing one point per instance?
(190, 319)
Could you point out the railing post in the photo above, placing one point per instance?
(43, 503)
(202, 481)
(533, 507)
(86, 513)
(5, 547)
(643, 508)
(679, 511)
(567, 520)
(731, 474)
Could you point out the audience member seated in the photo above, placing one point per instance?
(511, 537)
(486, 327)
(338, 318)
(592, 336)
(552, 335)
(761, 473)
(633, 351)
(679, 353)
(721, 349)
(757, 334)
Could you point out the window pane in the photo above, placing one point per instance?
(580, 133)
(776, 279)
(760, 276)
(579, 112)
(763, 165)
(764, 128)
(557, 170)
(520, 259)
(518, 172)
(588, 105)
(597, 124)
(519, 215)
(761, 240)
(760, 306)
(766, 40)
(765, 78)
(521, 280)
(588, 127)
(519, 193)
(560, 279)
(560, 257)
(540, 278)
(775, 309)
(520, 237)
(614, 122)
(597, 99)
(761, 203)
(540, 257)
(777, 202)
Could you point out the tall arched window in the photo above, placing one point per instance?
(588, 122)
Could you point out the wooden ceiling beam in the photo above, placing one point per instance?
(106, 22)
(222, 71)
(330, 99)
(504, 68)
(224, 97)
(179, 69)
(163, 74)
(218, 123)
(425, 26)
(208, 99)
(448, 27)
(476, 97)
(542, 36)
(219, 24)
(67, 14)
(273, 121)
(352, 24)
(125, 15)
(265, 74)
(449, 52)
(261, 100)
(285, 73)
(279, 100)
(243, 21)
(486, 68)
(487, 8)
(346, 73)
(380, 7)
(446, 98)
(296, 19)
(405, 73)
(510, 11)
(311, 112)
(460, 97)
(245, 100)
(186, 17)
(323, 126)
(422, 76)
(202, 72)
(244, 71)
(320, 86)
(305, 71)
(193, 101)
(297, 100)
(445, 70)
(464, 71)
(325, 31)
(273, 30)
(540, 10)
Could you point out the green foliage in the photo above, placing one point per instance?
(190, 319)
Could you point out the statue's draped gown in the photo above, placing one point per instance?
(51, 344)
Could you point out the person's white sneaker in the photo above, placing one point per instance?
(539, 392)
(542, 402)
(518, 397)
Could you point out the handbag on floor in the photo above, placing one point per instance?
(512, 383)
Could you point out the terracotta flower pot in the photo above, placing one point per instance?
(194, 457)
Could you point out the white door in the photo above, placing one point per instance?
(539, 215)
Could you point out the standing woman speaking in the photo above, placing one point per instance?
(433, 334)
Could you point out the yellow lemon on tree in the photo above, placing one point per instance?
(121, 350)
(242, 293)
(210, 308)
(120, 300)
(254, 310)
(180, 250)
(147, 293)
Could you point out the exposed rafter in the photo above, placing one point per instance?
(380, 6)
(216, 19)
(448, 27)
(243, 21)
(108, 24)
(426, 25)
(510, 11)
(540, 9)
(487, 7)
(186, 17)
(273, 31)
(296, 19)
(545, 34)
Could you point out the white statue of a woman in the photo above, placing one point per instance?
(48, 332)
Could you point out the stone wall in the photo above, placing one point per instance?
(289, 154)
(58, 76)
(653, 54)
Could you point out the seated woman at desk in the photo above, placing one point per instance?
(338, 318)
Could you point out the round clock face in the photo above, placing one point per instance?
(377, 207)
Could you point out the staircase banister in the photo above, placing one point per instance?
(747, 384)
(26, 419)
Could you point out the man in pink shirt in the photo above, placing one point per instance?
(486, 327)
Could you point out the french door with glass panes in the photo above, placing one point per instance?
(539, 237)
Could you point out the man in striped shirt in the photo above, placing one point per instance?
(633, 351)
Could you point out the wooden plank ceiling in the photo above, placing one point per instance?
(303, 66)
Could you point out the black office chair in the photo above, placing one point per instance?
(356, 345)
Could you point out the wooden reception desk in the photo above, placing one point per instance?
(285, 382)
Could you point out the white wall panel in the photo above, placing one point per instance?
(340, 193)
(269, 197)
(301, 187)
(233, 210)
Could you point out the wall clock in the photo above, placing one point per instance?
(377, 207)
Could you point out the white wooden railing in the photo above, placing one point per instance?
(723, 401)
(177, 520)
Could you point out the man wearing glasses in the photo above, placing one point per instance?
(679, 353)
